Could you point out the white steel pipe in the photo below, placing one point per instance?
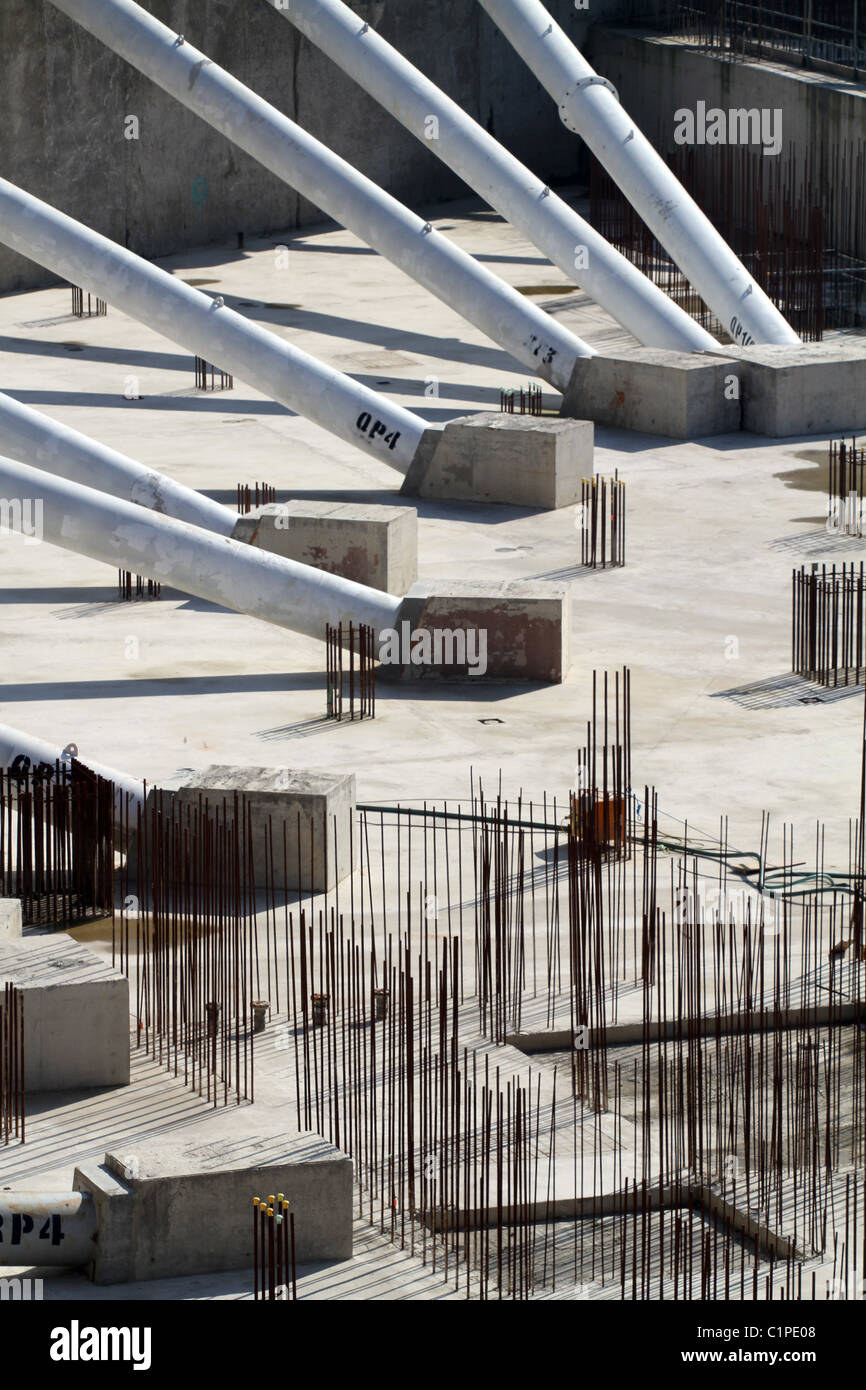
(47, 1228)
(208, 328)
(588, 106)
(28, 752)
(198, 562)
(501, 180)
(536, 340)
(36, 439)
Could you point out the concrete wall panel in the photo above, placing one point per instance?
(64, 98)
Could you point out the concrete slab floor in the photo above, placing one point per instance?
(702, 607)
(701, 613)
(66, 1129)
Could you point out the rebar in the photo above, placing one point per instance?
(12, 1089)
(525, 400)
(602, 511)
(210, 378)
(828, 628)
(259, 495)
(133, 587)
(846, 488)
(274, 1266)
(94, 307)
(57, 842)
(345, 682)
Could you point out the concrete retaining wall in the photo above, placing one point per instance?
(64, 99)
(656, 76)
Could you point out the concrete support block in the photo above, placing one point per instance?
(376, 546)
(808, 388)
(10, 918)
(167, 1210)
(76, 1013)
(521, 460)
(322, 804)
(684, 395)
(516, 630)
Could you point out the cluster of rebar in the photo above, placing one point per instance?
(57, 843)
(260, 495)
(135, 586)
(12, 1120)
(523, 401)
(94, 308)
(274, 1270)
(828, 628)
(802, 31)
(187, 933)
(846, 488)
(697, 1128)
(736, 1074)
(210, 378)
(602, 536)
(347, 683)
(795, 221)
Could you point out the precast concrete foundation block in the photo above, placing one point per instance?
(804, 388)
(516, 630)
(520, 460)
(76, 1013)
(10, 918)
(170, 1209)
(684, 395)
(373, 545)
(316, 808)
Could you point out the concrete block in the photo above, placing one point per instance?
(317, 801)
(76, 1013)
(684, 395)
(803, 388)
(376, 546)
(10, 918)
(521, 460)
(516, 630)
(183, 1207)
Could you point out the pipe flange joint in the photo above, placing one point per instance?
(565, 104)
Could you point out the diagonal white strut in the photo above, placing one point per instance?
(35, 439)
(198, 562)
(28, 752)
(588, 106)
(208, 328)
(500, 179)
(545, 347)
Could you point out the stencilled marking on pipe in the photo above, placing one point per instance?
(374, 428)
(22, 1225)
(539, 349)
(740, 333)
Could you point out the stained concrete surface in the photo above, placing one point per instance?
(701, 612)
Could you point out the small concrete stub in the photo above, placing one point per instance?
(517, 630)
(519, 460)
(183, 1207)
(684, 395)
(76, 1013)
(373, 545)
(316, 807)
